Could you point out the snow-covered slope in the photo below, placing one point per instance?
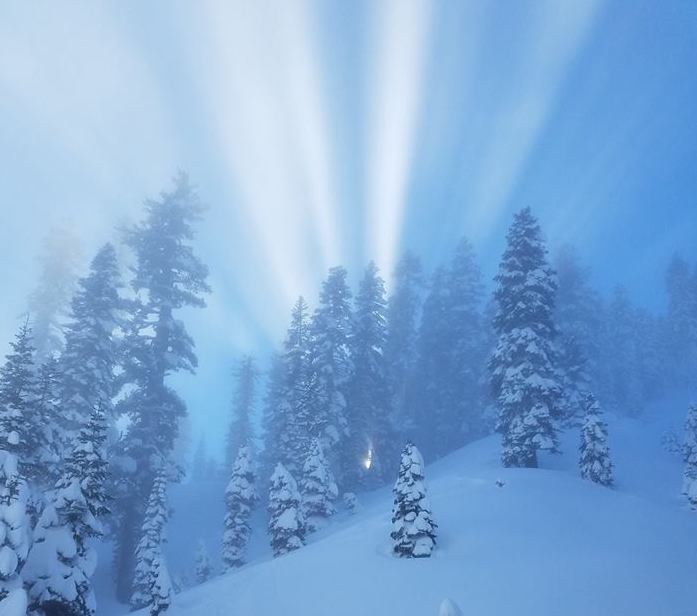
(545, 543)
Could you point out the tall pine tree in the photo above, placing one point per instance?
(240, 431)
(523, 371)
(167, 277)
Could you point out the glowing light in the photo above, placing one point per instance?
(368, 460)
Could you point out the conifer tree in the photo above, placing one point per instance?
(239, 432)
(161, 588)
(14, 522)
(273, 419)
(330, 361)
(689, 451)
(286, 522)
(203, 563)
(61, 562)
(91, 350)
(370, 429)
(403, 309)
(413, 528)
(47, 409)
(681, 319)
(149, 548)
(240, 499)
(594, 460)
(318, 488)
(523, 371)
(167, 277)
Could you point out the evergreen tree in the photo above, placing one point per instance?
(369, 415)
(46, 408)
(167, 277)
(403, 309)
(413, 528)
(681, 319)
(523, 372)
(203, 563)
(14, 522)
(199, 465)
(689, 451)
(330, 362)
(466, 378)
(240, 498)
(286, 523)
(61, 563)
(149, 548)
(91, 350)
(19, 392)
(240, 433)
(594, 461)
(318, 488)
(273, 418)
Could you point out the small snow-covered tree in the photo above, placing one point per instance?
(161, 587)
(203, 563)
(14, 523)
(318, 488)
(240, 498)
(689, 450)
(594, 460)
(286, 522)
(413, 528)
(61, 563)
(149, 548)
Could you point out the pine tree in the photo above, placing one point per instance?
(368, 393)
(413, 528)
(240, 433)
(203, 563)
(168, 276)
(14, 522)
(149, 548)
(61, 562)
(403, 309)
(330, 361)
(286, 523)
(318, 489)
(47, 410)
(240, 499)
(594, 460)
(91, 350)
(523, 372)
(273, 418)
(465, 378)
(19, 392)
(689, 451)
(681, 319)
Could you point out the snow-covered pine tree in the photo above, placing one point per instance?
(239, 432)
(14, 522)
(368, 409)
(168, 276)
(403, 309)
(19, 392)
(47, 409)
(273, 417)
(286, 523)
(413, 528)
(689, 451)
(91, 351)
(523, 371)
(240, 498)
(594, 461)
(466, 370)
(318, 488)
(293, 419)
(202, 567)
(681, 320)
(149, 547)
(61, 562)
(161, 588)
(330, 361)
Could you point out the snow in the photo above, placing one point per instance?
(545, 542)
(14, 604)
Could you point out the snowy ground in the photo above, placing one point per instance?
(546, 543)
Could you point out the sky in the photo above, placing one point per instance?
(325, 133)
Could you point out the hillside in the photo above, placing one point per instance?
(546, 543)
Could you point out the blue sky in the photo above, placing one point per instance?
(336, 132)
